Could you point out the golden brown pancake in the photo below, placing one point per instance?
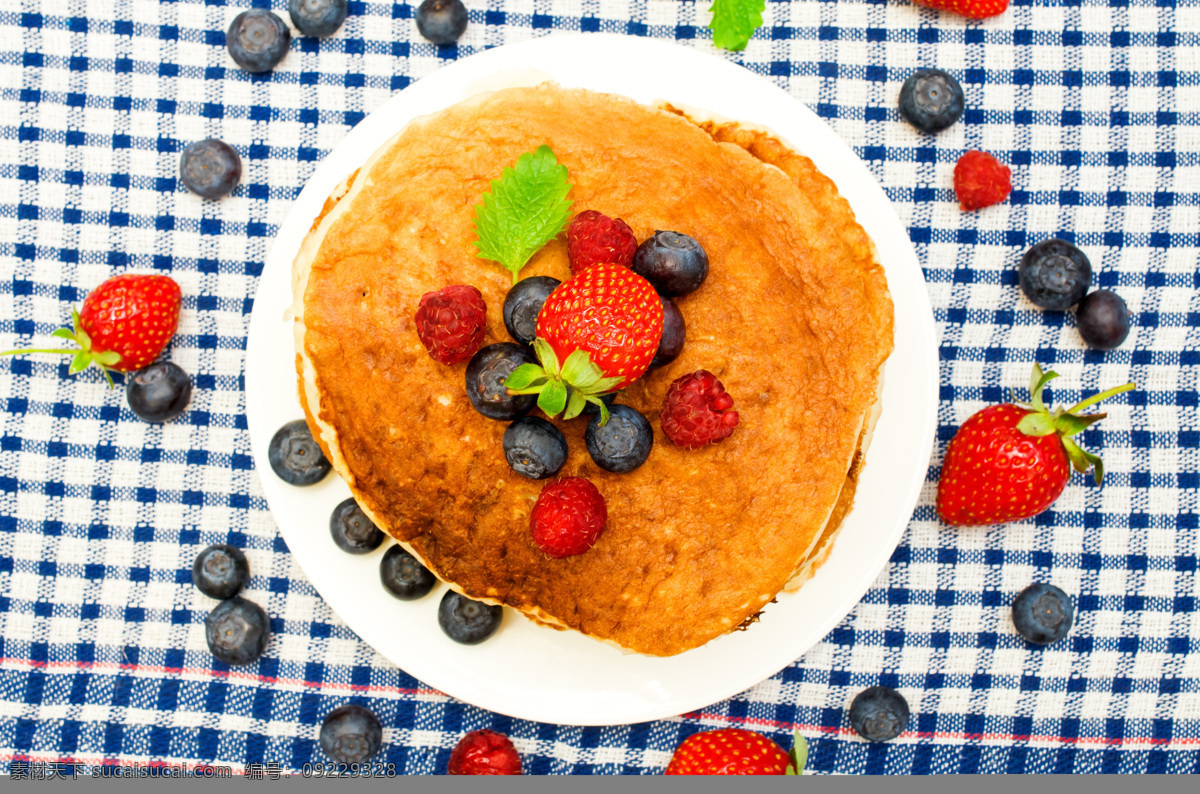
(795, 318)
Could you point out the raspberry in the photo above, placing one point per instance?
(569, 516)
(484, 752)
(697, 411)
(593, 238)
(980, 180)
(451, 323)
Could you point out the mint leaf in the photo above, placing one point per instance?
(734, 22)
(526, 208)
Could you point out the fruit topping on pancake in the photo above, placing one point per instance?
(593, 238)
(451, 323)
(569, 516)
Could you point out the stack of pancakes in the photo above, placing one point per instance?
(795, 319)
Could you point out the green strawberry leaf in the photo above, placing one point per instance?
(553, 398)
(526, 208)
(107, 359)
(1082, 460)
(799, 756)
(1039, 382)
(525, 376)
(1068, 425)
(64, 333)
(1037, 424)
(575, 405)
(546, 355)
(604, 414)
(734, 22)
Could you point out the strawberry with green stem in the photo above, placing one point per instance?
(123, 325)
(1010, 462)
(736, 751)
(596, 333)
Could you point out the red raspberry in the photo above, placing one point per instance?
(451, 323)
(697, 411)
(981, 180)
(568, 517)
(484, 753)
(593, 238)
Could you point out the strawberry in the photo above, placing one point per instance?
(975, 9)
(484, 752)
(593, 238)
(568, 517)
(980, 180)
(604, 325)
(734, 751)
(123, 325)
(1010, 462)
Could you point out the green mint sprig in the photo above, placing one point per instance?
(734, 22)
(526, 208)
(550, 382)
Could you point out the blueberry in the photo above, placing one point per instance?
(485, 376)
(295, 456)
(621, 445)
(351, 734)
(931, 100)
(257, 40)
(317, 17)
(466, 621)
(210, 168)
(442, 21)
(220, 571)
(352, 531)
(673, 336)
(879, 714)
(534, 448)
(404, 576)
(674, 263)
(159, 392)
(1104, 320)
(1054, 274)
(1042, 613)
(522, 305)
(237, 631)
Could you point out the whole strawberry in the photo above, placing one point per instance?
(980, 180)
(597, 332)
(568, 517)
(123, 325)
(593, 238)
(734, 751)
(1010, 462)
(484, 752)
(451, 323)
(697, 411)
(975, 9)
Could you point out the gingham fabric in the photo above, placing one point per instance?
(1096, 106)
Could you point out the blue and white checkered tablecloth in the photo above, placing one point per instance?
(1095, 105)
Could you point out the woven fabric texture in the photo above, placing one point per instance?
(1095, 106)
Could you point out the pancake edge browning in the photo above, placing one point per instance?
(759, 143)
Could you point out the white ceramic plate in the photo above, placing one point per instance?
(561, 677)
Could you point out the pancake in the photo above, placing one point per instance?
(795, 319)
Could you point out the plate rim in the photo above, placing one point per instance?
(424, 92)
